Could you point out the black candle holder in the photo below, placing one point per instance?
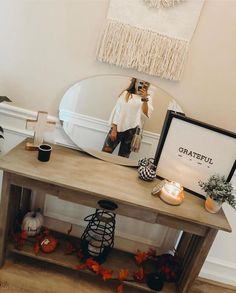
(98, 237)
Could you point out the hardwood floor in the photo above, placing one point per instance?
(29, 276)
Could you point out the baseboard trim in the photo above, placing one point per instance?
(219, 271)
(216, 283)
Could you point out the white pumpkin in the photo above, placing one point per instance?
(32, 223)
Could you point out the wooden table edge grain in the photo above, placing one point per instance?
(129, 191)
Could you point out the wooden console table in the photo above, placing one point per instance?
(76, 177)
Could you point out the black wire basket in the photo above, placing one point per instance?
(98, 237)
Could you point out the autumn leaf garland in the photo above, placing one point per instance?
(95, 267)
(107, 274)
(90, 264)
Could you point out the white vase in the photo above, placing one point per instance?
(212, 206)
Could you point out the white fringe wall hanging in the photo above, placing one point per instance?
(162, 3)
(153, 41)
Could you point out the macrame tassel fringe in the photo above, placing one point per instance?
(143, 50)
(162, 3)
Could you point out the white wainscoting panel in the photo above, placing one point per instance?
(94, 131)
(219, 270)
(135, 231)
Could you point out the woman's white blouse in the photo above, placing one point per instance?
(129, 114)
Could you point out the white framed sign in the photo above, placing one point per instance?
(190, 150)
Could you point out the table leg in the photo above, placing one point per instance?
(13, 198)
(196, 250)
(4, 215)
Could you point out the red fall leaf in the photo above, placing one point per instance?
(123, 274)
(20, 239)
(139, 275)
(96, 268)
(141, 257)
(120, 288)
(23, 235)
(106, 274)
(93, 265)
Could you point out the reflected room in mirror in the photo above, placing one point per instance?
(115, 118)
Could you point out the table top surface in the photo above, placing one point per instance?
(78, 171)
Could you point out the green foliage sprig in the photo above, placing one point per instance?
(217, 188)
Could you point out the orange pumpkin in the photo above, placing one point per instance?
(48, 244)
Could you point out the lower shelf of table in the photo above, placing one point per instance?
(116, 260)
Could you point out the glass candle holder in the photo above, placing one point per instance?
(98, 237)
(172, 193)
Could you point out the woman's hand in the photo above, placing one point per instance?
(143, 92)
(144, 95)
(113, 134)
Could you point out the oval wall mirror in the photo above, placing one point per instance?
(92, 106)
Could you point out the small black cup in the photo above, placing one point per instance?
(44, 152)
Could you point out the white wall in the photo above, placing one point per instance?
(46, 46)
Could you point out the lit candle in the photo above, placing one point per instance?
(172, 193)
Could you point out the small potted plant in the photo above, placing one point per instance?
(218, 191)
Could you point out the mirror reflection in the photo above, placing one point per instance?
(132, 108)
(116, 118)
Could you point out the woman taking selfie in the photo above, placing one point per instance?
(133, 106)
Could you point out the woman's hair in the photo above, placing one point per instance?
(131, 88)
